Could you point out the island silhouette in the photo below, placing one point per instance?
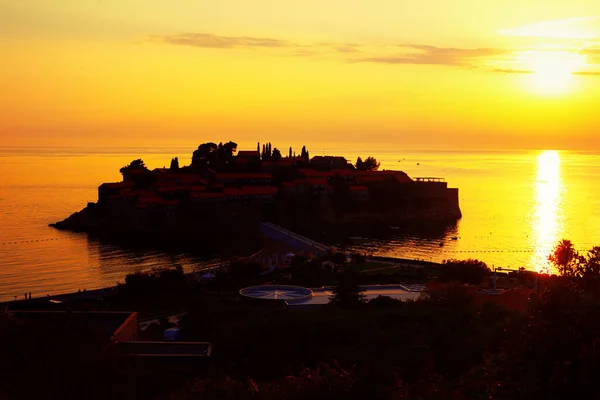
(225, 192)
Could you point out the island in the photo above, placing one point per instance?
(224, 192)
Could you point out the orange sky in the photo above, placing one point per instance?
(431, 74)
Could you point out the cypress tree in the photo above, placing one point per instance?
(347, 293)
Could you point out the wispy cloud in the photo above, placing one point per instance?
(220, 42)
(587, 73)
(345, 47)
(431, 55)
(571, 28)
(493, 60)
(511, 71)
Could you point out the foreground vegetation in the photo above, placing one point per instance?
(446, 346)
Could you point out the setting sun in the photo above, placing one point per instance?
(552, 71)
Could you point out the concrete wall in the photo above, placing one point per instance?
(452, 200)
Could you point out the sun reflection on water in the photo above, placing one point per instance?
(547, 221)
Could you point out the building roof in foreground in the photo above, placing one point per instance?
(195, 349)
(110, 321)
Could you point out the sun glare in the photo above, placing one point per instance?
(552, 71)
(547, 222)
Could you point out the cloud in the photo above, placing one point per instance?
(346, 47)
(570, 28)
(587, 73)
(431, 55)
(511, 71)
(413, 53)
(492, 60)
(220, 42)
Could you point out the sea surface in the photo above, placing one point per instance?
(516, 206)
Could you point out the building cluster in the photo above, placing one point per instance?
(168, 187)
(254, 184)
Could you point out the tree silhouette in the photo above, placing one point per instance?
(464, 271)
(205, 154)
(229, 149)
(290, 155)
(570, 263)
(347, 293)
(370, 164)
(174, 164)
(276, 155)
(134, 165)
(565, 258)
(359, 164)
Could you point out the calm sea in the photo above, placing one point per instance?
(516, 206)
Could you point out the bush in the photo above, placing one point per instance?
(146, 286)
(464, 271)
(385, 302)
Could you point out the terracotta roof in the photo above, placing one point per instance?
(245, 176)
(403, 179)
(313, 173)
(149, 198)
(259, 190)
(328, 159)
(207, 195)
(178, 176)
(148, 201)
(131, 192)
(169, 188)
(344, 172)
(250, 190)
(313, 181)
(248, 153)
(284, 160)
(398, 175)
(359, 188)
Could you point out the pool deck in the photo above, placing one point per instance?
(399, 292)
